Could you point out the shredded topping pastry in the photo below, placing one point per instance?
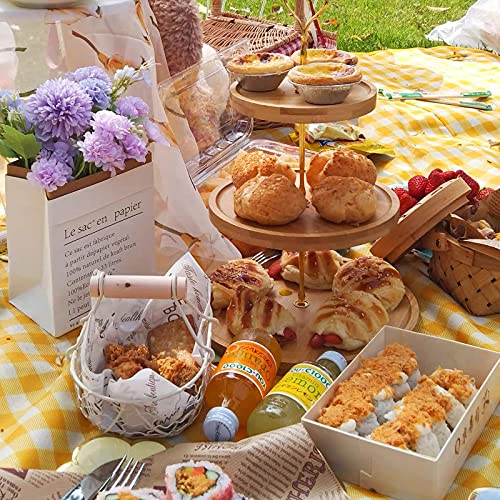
(335, 415)
(456, 382)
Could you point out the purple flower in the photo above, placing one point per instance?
(133, 107)
(61, 151)
(10, 99)
(134, 147)
(59, 109)
(154, 133)
(49, 174)
(104, 151)
(89, 72)
(98, 91)
(107, 123)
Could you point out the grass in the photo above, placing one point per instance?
(367, 25)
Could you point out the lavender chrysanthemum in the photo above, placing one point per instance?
(98, 91)
(49, 174)
(89, 72)
(61, 151)
(108, 123)
(59, 109)
(104, 151)
(134, 147)
(132, 107)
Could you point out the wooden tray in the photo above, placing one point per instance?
(285, 105)
(405, 316)
(309, 231)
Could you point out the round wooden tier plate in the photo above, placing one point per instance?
(286, 106)
(309, 231)
(404, 316)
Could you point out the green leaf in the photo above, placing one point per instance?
(6, 152)
(24, 145)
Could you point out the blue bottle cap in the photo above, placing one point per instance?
(334, 357)
(221, 424)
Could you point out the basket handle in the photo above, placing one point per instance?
(435, 240)
(216, 9)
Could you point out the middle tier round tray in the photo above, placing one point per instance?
(309, 231)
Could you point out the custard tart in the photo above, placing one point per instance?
(325, 74)
(327, 55)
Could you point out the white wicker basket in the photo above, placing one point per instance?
(135, 419)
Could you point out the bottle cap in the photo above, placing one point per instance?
(334, 357)
(221, 424)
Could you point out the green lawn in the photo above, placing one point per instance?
(366, 25)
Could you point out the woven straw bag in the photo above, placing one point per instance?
(470, 276)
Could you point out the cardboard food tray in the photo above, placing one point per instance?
(399, 473)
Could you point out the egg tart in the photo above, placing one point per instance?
(324, 74)
(327, 55)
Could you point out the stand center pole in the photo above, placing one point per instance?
(301, 298)
(302, 156)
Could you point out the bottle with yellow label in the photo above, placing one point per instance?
(295, 393)
(245, 374)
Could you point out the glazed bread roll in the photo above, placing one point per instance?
(371, 275)
(319, 270)
(348, 321)
(345, 200)
(249, 165)
(270, 201)
(235, 273)
(340, 163)
(249, 310)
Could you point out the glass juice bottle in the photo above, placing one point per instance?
(245, 374)
(295, 393)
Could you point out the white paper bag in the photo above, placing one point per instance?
(55, 245)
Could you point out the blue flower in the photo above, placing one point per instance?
(89, 72)
(10, 99)
(131, 106)
(49, 174)
(59, 109)
(61, 151)
(98, 91)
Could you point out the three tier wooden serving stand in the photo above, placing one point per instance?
(309, 231)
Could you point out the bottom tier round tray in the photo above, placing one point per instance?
(404, 316)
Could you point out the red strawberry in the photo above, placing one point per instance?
(405, 203)
(447, 176)
(274, 270)
(483, 193)
(433, 184)
(400, 192)
(434, 173)
(474, 186)
(416, 186)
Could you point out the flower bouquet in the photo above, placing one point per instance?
(67, 143)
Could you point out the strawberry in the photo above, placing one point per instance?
(483, 193)
(433, 184)
(474, 186)
(447, 176)
(406, 202)
(435, 173)
(416, 186)
(400, 192)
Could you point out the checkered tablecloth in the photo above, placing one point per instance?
(39, 423)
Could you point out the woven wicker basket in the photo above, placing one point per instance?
(472, 278)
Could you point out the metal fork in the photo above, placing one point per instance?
(123, 477)
(266, 256)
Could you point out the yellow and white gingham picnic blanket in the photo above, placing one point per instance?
(39, 422)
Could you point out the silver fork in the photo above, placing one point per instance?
(266, 256)
(123, 476)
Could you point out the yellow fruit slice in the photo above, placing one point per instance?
(99, 451)
(144, 449)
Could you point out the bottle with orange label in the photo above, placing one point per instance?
(245, 374)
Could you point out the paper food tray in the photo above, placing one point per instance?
(399, 473)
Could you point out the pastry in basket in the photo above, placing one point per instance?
(344, 200)
(178, 366)
(270, 201)
(325, 74)
(246, 166)
(235, 273)
(260, 64)
(372, 275)
(320, 267)
(341, 163)
(327, 55)
(348, 321)
(248, 310)
(126, 360)
(170, 336)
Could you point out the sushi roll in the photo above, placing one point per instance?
(457, 383)
(390, 370)
(128, 494)
(197, 480)
(356, 416)
(407, 359)
(409, 431)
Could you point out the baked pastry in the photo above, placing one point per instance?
(348, 321)
(325, 74)
(340, 163)
(319, 269)
(249, 310)
(241, 272)
(170, 336)
(344, 200)
(260, 64)
(327, 55)
(270, 201)
(248, 165)
(372, 275)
